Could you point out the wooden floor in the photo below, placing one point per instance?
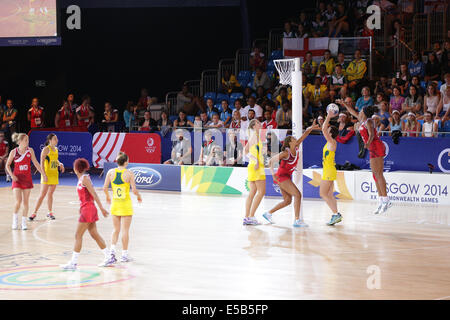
(195, 247)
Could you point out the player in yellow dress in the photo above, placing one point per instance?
(256, 173)
(51, 165)
(329, 168)
(121, 180)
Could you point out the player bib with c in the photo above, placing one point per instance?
(121, 204)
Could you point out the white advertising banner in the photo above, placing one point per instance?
(407, 187)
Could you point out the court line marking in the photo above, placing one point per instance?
(35, 235)
(442, 298)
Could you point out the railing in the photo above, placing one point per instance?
(208, 81)
(242, 60)
(171, 102)
(430, 27)
(194, 86)
(275, 39)
(225, 65)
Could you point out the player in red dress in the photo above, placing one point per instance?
(88, 215)
(21, 176)
(289, 156)
(377, 151)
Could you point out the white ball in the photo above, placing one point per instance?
(333, 108)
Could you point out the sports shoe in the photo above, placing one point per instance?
(125, 259)
(24, 226)
(32, 217)
(70, 266)
(254, 221)
(385, 206)
(51, 216)
(335, 218)
(15, 224)
(246, 221)
(299, 223)
(377, 211)
(109, 261)
(268, 217)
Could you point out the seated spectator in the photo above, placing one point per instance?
(85, 113)
(365, 100)
(283, 95)
(261, 79)
(303, 20)
(384, 114)
(234, 150)
(329, 14)
(394, 83)
(324, 76)
(226, 114)
(181, 150)
(164, 124)
(415, 81)
(248, 92)
(238, 105)
(65, 117)
(244, 123)
(210, 108)
(253, 106)
(340, 24)
(356, 70)
(429, 127)
(411, 126)
(309, 75)
(36, 114)
(445, 85)
(269, 123)
(110, 114)
(416, 67)
(341, 61)
(236, 122)
(187, 102)
(328, 62)
(315, 94)
(204, 119)
(129, 115)
(396, 101)
(4, 152)
(395, 123)
(215, 122)
(261, 94)
(444, 105)
(403, 77)
(284, 116)
(320, 121)
(210, 153)
(311, 63)
(257, 59)
(182, 121)
(345, 128)
(9, 117)
(378, 125)
(230, 83)
(379, 98)
(383, 86)
(270, 106)
(338, 79)
(438, 51)
(319, 26)
(431, 100)
(432, 68)
(288, 32)
(413, 103)
(301, 31)
(147, 124)
(145, 101)
(322, 7)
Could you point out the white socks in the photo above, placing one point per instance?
(124, 253)
(113, 249)
(75, 257)
(106, 253)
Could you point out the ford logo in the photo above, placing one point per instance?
(146, 177)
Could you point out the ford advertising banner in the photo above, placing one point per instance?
(153, 176)
(71, 145)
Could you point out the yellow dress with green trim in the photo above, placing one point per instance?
(328, 164)
(256, 151)
(51, 165)
(121, 204)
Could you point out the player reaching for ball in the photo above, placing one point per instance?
(121, 180)
(377, 150)
(289, 156)
(329, 166)
(88, 215)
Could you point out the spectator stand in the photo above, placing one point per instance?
(209, 82)
(225, 65)
(194, 87)
(242, 60)
(171, 102)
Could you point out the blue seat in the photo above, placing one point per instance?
(243, 82)
(446, 128)
(244, 75)
(191, 118)
(271, 66)
(210, 95)
(173, 118)
(276, 54)
(236, 95)
(218, 106)
(269, 96)
(423, 84)
(222, 96)
(421, 122)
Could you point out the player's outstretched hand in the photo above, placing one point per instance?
(104, 212)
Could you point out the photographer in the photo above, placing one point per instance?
(181, 150)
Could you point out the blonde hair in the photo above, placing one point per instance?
(17, 137)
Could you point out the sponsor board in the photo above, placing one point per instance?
(407, 187)
(153, 176)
